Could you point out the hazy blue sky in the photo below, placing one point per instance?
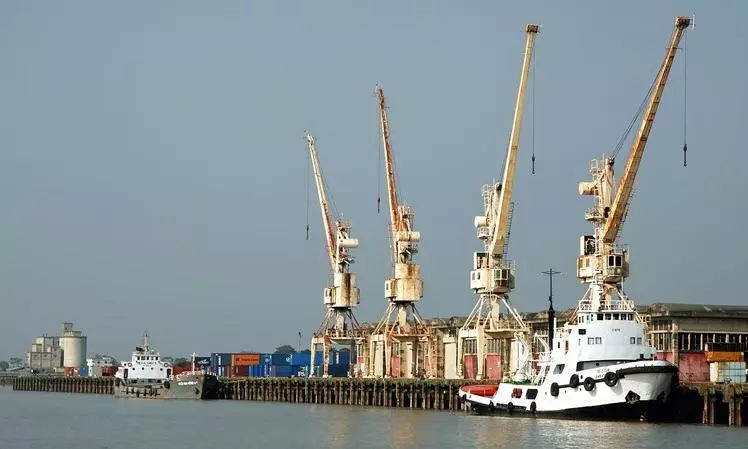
(152, 157)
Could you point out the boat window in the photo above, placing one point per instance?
(607, 316)
(599, 317)
(598, 340)
(582, 331)
(638, 340)
(532, 393)
(632, 340)
(615, 316)
(558, 369)
(590, 341)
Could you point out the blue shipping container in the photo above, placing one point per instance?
(281, 371)
(266, 359)
(221, 359)
(83, 371)
(344, 358)
(338, 370)
(280, 359)
(301, 358)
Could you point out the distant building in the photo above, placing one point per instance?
(66, 353)
(101, 365)
(45, 354)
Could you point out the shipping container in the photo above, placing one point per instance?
(342, 358)
(220, 359)
(240, 371)
(245, 359)
(259, 370)
(727, 372)
(280, 359)
(281, 371)
(201, 362)
(724, 356)
(109, 371)
(83, 371)
(338, 370)
(301, 358)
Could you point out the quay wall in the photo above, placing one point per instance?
(690, 402)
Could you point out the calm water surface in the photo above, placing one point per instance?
(30, 420)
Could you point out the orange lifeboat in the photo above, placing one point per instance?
(486, 391)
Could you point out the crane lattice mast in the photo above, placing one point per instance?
(492, 276)
(341, 295)
(602, 263)
(401, 330)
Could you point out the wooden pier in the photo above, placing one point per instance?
(57, 384)
(694, 402)
(436, 394)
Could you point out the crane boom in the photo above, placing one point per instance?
(394, 203)
(326, 220)
(501, 225)
(625, 188)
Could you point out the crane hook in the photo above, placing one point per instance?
(685, 148)
(307, 232)
(533, 164)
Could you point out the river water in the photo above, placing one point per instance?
(33, 420)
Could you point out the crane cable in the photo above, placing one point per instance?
(685, 97)
(636, 116)
(532, 68)
(306, 179)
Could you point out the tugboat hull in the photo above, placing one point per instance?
(195, 387)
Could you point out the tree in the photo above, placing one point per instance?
(4, 365)
(284, 349)
(180, 362)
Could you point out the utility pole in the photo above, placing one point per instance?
(550, 274)
(551, 312)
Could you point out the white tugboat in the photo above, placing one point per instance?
(146, 375)
(601, 364)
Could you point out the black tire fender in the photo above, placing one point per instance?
(510, 407)
(574, 381)
(611, 379)
(167, 385)
(589, 384)
(533, 407)
(554, 389)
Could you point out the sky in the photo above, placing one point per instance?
(154, 172)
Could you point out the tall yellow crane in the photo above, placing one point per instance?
(341, 295)
(492, 276)
(400, 344)
(601, 263)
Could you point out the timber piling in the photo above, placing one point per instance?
(56, 384)
(690, 402)
(434, 394)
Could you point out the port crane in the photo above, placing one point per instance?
(339, 325)
(483, 337)
(602, 263)
(401, 344)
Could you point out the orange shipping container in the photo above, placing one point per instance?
(724, 356)
(245, 359)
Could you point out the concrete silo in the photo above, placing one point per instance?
(73, 344)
